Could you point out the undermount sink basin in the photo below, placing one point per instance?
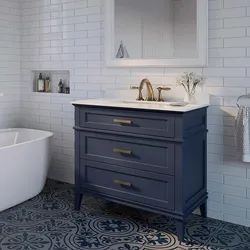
(143, 102)
(181, 104)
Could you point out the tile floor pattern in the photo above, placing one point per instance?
(49, 222)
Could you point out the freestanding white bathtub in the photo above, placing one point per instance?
(24, 164)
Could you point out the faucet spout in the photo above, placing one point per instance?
(150, 91)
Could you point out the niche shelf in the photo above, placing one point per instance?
(54, 76)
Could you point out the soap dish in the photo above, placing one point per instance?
(178, 104)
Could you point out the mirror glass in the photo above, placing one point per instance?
(155, 29)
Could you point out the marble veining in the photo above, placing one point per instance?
(131, 104)
(49, 222)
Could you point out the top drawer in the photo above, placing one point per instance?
(129, 121)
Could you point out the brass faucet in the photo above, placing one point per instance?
(150, 92)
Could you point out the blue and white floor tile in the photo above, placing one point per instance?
(49, 222)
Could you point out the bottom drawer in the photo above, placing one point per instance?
(129, 185)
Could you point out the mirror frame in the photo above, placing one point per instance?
(202, 42)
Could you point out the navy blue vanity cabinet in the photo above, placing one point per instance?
(148, 159)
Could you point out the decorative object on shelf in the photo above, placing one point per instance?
(40, 83)
(190, 81)
(47, 84)
(67, 90)
(60, 86)
(49, 80)
(122, 51)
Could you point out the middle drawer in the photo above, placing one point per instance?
(144, 154)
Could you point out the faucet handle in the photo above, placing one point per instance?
(140, 97)
(163, 88)
(134, 87)
(160, 89)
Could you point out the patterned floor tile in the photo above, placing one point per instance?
(49, 222)
(230, 236)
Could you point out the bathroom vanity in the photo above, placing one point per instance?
(148, 156)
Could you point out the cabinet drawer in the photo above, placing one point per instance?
(149, 155)
(145, 123)
(136, 186)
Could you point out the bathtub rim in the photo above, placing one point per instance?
(47, 134)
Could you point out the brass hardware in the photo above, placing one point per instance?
(134, 87)
(150, 91)
(121, 151)
(160, 89)
(123, 183)
(122, 121)
(139, 98)
(164, 88)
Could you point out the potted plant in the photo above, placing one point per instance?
(190, 81)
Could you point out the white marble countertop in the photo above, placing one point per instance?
(132, 104)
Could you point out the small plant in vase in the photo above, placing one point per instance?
(190, 81)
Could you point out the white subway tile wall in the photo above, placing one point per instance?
(68, 34)
(9, 63)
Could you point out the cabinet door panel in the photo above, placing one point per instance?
(149, 155)
(136, 186)
(143, 123)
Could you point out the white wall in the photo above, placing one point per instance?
(9, 62)
(69, 34)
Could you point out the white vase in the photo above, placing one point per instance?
(189, 98)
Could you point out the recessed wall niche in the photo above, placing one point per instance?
(55, 76)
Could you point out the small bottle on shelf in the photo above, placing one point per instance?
(47, 84)
(67, 90)
(40, 83)
(60, 86)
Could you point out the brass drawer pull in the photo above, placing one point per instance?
(122, 121)
(121, 151)
(123, 183)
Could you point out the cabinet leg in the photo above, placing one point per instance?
(78, 201)
(180, 227)
(203, 209)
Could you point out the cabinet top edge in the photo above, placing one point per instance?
(116, 103)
